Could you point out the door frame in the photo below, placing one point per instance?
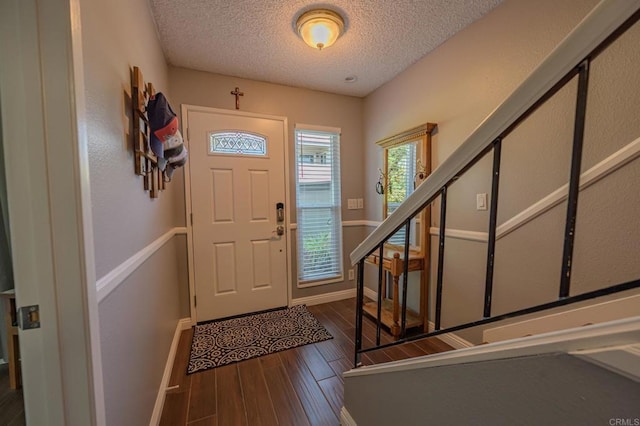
(185, 109)
(46, 157)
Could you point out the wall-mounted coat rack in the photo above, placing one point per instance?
(146, 162)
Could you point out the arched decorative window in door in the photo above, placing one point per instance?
(237, 143)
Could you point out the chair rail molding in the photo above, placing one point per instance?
(601, 170)
(119, 274)
(596, 173)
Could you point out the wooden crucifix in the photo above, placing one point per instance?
(237, 93)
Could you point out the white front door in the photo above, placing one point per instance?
(237, 171)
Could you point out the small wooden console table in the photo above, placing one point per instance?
(391, 309)
(11, 323)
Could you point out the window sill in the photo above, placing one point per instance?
(306, 284)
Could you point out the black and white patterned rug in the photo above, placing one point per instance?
(226, 341)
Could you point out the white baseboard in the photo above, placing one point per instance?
(324, 298)
(346, 419)
(186, 323)
(451, 339)
(609, 310)
(371, 294)
(183, 324)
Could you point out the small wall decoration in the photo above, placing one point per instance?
(380, 185)
(421, 173)
(157, 143)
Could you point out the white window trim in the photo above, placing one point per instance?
(315, 283)
(307, 284)
(316, 128)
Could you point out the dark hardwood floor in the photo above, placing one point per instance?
(11, 401)
(300, 386)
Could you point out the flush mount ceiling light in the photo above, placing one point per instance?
(320, 28)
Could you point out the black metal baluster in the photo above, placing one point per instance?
(493, 216)
(405, 273)
(574, 180)
(443, 218)
(359, 300)
(380, 275)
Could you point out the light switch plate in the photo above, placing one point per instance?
(481, 201)
(352, 204)
(360, 203)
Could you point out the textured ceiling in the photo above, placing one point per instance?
(256, 39)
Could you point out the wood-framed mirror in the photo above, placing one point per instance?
(406, 164)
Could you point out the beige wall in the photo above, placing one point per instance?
(138, 319)
(118, 35)
(299, 106)
(462, 81)
(457, 86)
(608, 226)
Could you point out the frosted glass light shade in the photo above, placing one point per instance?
(320, 28)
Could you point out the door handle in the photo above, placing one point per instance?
(280, 212)
(279, 219)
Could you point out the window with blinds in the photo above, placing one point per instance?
(318, 205)
(401, 162)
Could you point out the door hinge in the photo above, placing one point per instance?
(29, 317)
(191, 219)
(195, 300)
(187, 134)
